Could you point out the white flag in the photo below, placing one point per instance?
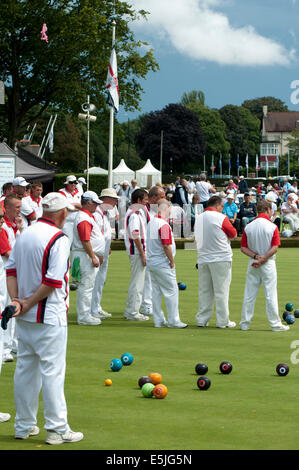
(112, 82)
(246, 163)
(51, 139)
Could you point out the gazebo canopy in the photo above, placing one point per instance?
(148, 175)
(122, 172)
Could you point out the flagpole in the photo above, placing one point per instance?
(52, 127)
(111, 128)
(41, 145)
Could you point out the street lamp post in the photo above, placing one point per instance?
(87, 108)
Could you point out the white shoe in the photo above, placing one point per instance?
(53, 438)
(33, 432)
(161, 324)
(7, 358)
(103, 314)
(244, 327)
(231, 324)
(146, 311)
(4, 417)
(202, 325)
(90, 321)
(138, 317)
(178, 325)
(281, 328)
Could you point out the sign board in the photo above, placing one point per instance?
(2, 93)
(7, 170)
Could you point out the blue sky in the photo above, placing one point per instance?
(232, 50)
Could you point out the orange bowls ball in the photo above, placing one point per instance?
(108, 382)
(156, 378)
(160, 391)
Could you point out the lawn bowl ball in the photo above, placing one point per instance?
(147, 390)
(145, 379)
(116, 365)
(282, 369)
(181, 286)
(108, 382)
(289, 306)
(127, 359)
(160, 391)
(156, 378)
(225, 367)
(284, 315)
(203, 383)
(296, 313)
(290, 319)
(201, 369)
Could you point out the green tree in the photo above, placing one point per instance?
(256, 105)
(213, 128)
(242, 132)
(194, 96)
(73, 63)
(183, 139)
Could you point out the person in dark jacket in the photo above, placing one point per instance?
(247, 211)
(243, 186)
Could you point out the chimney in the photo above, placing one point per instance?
(265, 110)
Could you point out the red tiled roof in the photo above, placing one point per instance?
(281, 121)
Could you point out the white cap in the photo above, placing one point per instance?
(109, 192)
(270, 197)
(54, 202)
(70, 179)
(91, 196)
(19, 181)
(82, 180)
(230, 196)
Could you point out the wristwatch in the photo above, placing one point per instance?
(255, 256)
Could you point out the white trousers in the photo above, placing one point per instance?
(85, 287)
(164, 284)
(1, 347)
(293, 221)
(136, 286)
(40, 366)
(214, 283)
(146, 302)
(266, 275)
(10, 341)
(99, 283)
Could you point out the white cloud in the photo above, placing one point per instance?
(196, 29)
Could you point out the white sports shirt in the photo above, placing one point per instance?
(87, 229)
(41, 256)
(159, 233)
(212, 232)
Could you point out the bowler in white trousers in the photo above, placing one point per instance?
(135, 242)
(160, 263)
(260, 241)
(213, 232)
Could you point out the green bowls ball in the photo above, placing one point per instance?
(147, 390)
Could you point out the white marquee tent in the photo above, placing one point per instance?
(148, 175)
(121, 173)
(97, 170)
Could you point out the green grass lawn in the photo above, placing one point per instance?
(252, 408)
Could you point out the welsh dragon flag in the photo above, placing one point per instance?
(112, 82)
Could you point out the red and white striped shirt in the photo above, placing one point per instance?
(134, 228)
(213, 231)
(41, 256)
